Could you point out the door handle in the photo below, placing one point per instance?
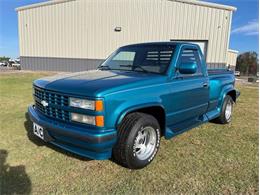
(205, 84)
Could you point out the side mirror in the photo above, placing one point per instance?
(188, 68)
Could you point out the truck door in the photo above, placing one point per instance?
(189, 92)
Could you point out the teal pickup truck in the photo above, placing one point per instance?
(139, 94)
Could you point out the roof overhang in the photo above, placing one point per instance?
(207, 4)
(41, 4)
(233, 51)
(194, 2)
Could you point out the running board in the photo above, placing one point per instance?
(183, 127)
(213, 114)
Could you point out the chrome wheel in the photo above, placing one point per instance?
(145, 143)
(228, 110)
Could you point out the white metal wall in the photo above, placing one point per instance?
(232, 58)
(85, 28)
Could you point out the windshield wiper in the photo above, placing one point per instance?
(104, 66)
(134, 66)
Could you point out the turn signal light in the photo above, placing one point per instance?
(99, 105)
(100, 121)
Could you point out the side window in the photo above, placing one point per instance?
(191, 55)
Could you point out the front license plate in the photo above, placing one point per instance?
(38, 131)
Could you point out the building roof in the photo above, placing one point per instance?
(233, 51)
(194, 2)
(52, 2)
(207, 4)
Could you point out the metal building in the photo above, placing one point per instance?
(74, 35)
(232, 59)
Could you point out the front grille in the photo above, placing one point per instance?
(56, 104)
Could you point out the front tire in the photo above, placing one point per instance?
(138, 141)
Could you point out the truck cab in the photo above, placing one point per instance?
(139, 94)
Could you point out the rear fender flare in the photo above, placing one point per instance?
(224, 92)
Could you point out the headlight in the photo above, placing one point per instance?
(92, 120)
(86, 104)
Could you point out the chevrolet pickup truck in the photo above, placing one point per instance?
(141, 93)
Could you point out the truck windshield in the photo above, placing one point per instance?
(143, 58)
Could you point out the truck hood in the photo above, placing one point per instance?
(97, 83)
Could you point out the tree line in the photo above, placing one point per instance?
(4, 58)
(247, 63)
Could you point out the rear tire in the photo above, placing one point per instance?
(226, 111)
(138, 141)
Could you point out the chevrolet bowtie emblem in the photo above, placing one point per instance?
(44, 103)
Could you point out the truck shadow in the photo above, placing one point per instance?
(216, 122)
(29, 128)
(14, 179)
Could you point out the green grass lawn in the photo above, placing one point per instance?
(209, 159)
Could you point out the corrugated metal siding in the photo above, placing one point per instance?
(59, 64)
(85, 28)
(216, 65)
(232, 59)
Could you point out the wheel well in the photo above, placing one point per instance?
(157, 112)
(232, 94)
